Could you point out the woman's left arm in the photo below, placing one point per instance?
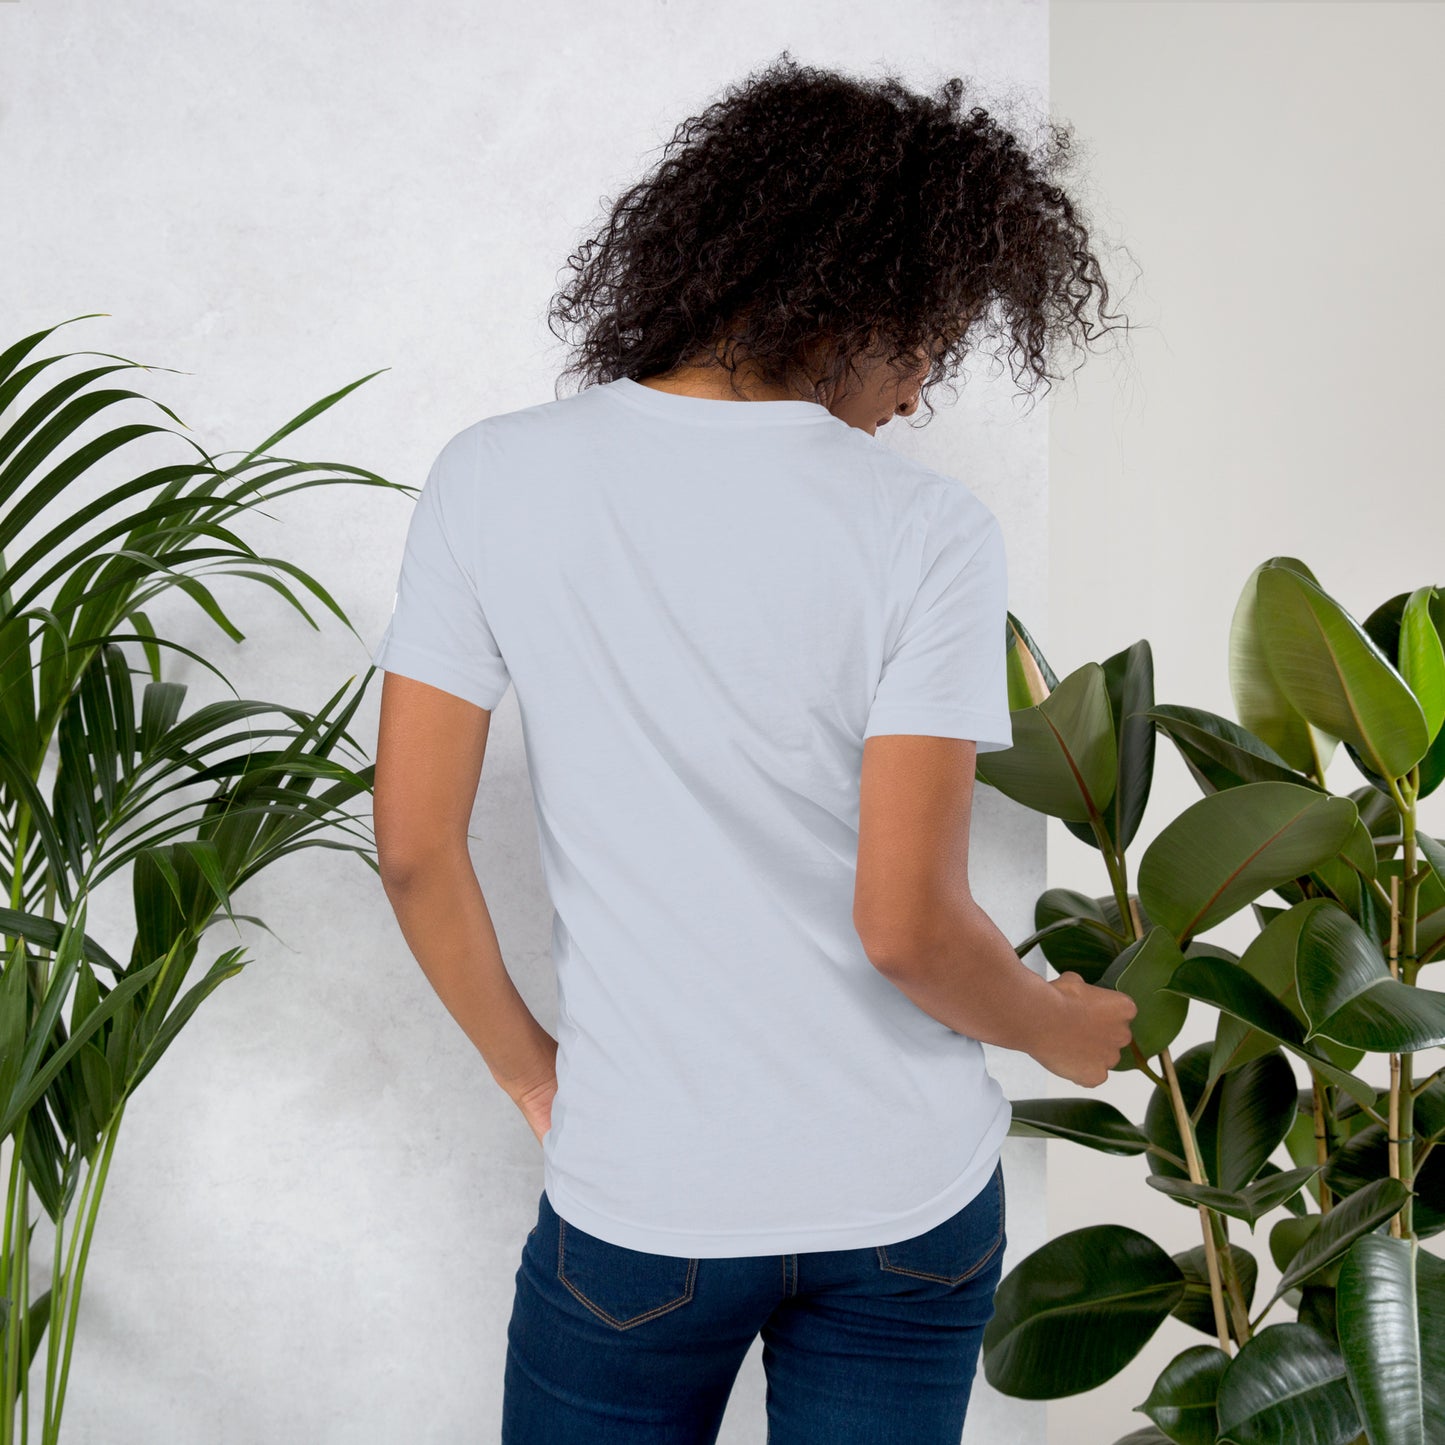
(430, 747)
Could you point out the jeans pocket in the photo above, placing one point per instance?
(958, 1248)
(623, 1287)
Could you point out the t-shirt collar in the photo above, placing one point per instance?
(716, 411)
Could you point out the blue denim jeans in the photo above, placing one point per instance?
(613, 1346)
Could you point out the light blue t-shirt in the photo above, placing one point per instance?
(705, 606)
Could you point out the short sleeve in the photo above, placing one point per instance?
(947, 675)
(438, 633)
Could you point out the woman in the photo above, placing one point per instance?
(755, 654)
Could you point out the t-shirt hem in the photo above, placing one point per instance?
(409, 660)
(987, 729)
(735, 1243)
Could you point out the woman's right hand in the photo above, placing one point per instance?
(1089, 1034)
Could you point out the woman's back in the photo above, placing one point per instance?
(705, 606)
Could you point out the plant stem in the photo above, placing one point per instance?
(1392, 1129)
(95, 1175)
(1404, 913)
(15, 1193)
(58, 1279)
(1115, 866)
(1196, 1174)
(61, 1289)
(1238, 1309)
(23, 1252)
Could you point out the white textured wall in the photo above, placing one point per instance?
(318, 1199)
(1274, 168)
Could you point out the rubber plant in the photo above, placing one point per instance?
(194, 804)
(1348, 895)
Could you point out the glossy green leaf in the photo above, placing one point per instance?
(1288, 1237)
(1422, 657)
(1343, 877)
(1077, 1310)
(1250, 1204)
(1225, 850)
(1391, 1314)
(1379, 813)
(1434, 854)
(1356, 1215)
(1349, 994)
(1064, 757)
(1365, 1157)
(1259, 701)
(1385, 625)
(1332, 673)
(1431, 768)
(1092, 1122)
(1143, 971)
(1076, 933)
(1358, 852)
(1229, 988)
(1220, 753)
(1295, 1201)
(1286, 1384)
(1270, 961)
(1430, 1111)
(1317, 1305)
(1030, 678)
(1196, 1309)
(1129, 681)
(1182, 1402)
(1248, 1113)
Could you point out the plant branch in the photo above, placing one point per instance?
(1238, 1309)
(1404, 912)
(1196, 1174)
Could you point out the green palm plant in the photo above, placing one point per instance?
(194, 805)
(1331, 978)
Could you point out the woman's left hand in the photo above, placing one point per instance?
(536, 1106)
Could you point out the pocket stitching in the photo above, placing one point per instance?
(602, 1313)
(972, 1269)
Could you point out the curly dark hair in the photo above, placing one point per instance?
(807, 218)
